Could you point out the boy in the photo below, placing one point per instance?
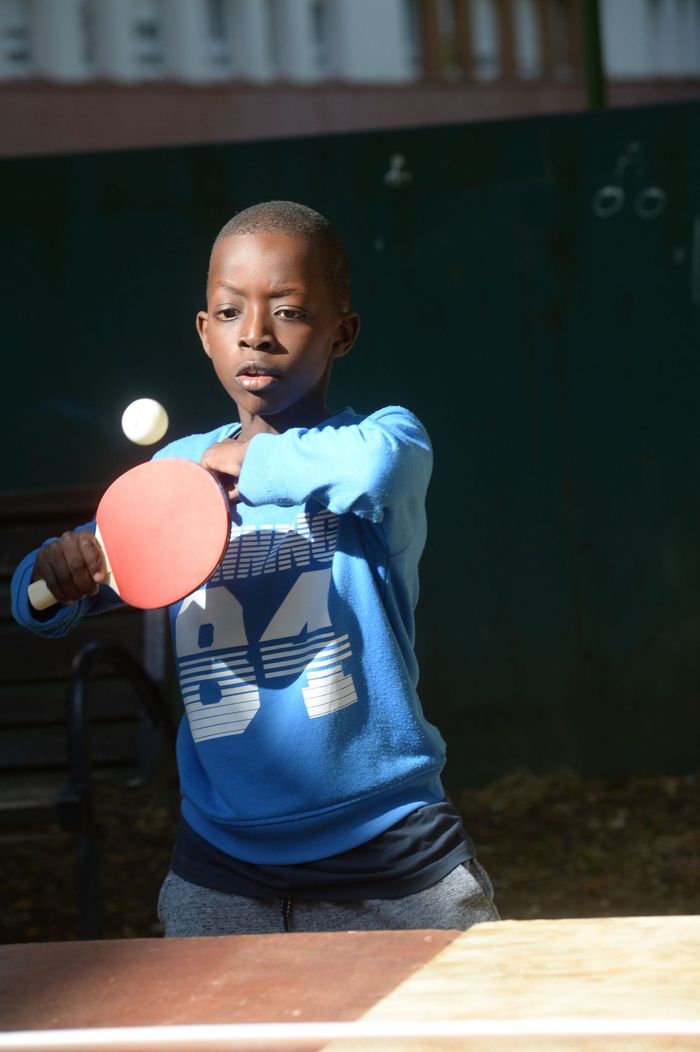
(310, 778)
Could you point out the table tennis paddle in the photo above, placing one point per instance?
(163, 527)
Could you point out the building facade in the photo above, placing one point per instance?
(100, 74)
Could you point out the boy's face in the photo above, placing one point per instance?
(271, 327)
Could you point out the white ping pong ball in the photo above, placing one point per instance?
(145, 421)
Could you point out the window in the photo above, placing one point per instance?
(88, 32)
(15, 49)
(320, 35)
(147, 31)
(487, 59)
(274, 36)
(218, 32)
(412, 36)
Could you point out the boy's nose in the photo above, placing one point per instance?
(257, 341)
(256, 332)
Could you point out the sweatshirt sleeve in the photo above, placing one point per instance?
(64, 617)
(377, 468)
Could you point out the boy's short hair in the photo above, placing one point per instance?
(289, 217)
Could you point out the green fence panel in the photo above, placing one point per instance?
(532, 290)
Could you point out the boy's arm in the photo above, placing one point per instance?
(59, 619)
(378, 469)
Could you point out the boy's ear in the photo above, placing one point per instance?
(346, 334)
(202, 320)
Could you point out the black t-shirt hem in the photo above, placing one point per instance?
(416, 853)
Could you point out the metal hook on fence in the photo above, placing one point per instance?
(397, 175)
(608, 201)
(650, 202)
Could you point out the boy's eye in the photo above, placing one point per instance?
(228, 312)
(290, 313)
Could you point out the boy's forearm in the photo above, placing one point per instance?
(365, 468)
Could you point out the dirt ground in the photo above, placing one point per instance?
(554, 847)
(568, 847)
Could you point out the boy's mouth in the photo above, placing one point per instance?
(257, 377)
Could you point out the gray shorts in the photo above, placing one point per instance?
(462, 898)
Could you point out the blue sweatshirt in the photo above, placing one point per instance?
(303, 734)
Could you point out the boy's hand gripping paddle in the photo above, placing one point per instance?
(163, 527)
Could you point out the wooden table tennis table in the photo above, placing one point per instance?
(620, 984)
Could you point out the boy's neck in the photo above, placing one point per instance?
(296, 416)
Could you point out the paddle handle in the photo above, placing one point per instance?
(40, 595)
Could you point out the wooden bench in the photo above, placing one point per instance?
(89, 707)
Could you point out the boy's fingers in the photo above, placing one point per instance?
(230, 484)
(76, 548)
(225, 457)
(44, 570)
(206, 460)
(93, 555)
(226, 460)
(216, 460)
(54, 569)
